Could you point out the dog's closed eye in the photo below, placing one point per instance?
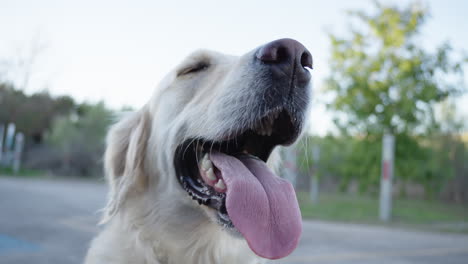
(194, 68)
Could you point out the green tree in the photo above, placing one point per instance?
(383, 81)
(32, 114)
(80, 139)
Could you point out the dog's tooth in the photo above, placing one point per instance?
(210, 174)
(267, 126)
(206, 163)
(205, 157)
(264, 127)
(220, 184)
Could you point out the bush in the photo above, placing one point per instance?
(75, 144)
(436, 162)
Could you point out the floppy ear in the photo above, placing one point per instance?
(124, 159)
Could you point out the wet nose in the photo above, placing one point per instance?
(289, 55)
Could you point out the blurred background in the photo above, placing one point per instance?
(381, 172)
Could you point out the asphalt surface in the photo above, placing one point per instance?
(53, 221)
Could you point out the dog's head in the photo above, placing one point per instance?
(196, 154)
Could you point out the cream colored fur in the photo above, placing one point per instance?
(149, 218)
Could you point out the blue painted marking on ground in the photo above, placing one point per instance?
(8, 243)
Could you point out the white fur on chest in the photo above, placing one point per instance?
(118, 246)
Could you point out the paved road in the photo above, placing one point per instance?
(52, 221)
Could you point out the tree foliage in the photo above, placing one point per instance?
(382, 80)
(32, 114)
(62, 136)
(381, 77)
(80, 140)
(439, 164)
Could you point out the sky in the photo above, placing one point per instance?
(117, 51)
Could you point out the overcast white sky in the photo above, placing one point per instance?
(117, 51)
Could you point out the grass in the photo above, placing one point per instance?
(364, 209)
(22, 173)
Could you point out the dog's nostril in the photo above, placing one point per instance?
(275, 52)
(285, 51)
(269, 54)
(286, 58)
(306, 60)
(282, 54)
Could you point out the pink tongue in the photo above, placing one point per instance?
(262, 206)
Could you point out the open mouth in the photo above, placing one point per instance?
(231, 177)
(193, 164)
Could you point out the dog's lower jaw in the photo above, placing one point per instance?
(210, 245)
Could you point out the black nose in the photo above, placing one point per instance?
(288, 54)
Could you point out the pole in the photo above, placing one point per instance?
(2, 135)
(290, 167)
(19, 144)
(388, 152)
(314, 182)
(9, 142)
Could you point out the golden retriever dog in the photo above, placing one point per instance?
(188, 174)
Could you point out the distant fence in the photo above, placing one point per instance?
(11, 147)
